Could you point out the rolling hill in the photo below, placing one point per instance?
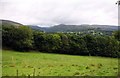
(9, 23)
(106, 29)
(75, 28)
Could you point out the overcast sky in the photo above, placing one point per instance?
(50, 12)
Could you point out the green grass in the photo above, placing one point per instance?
(45, 64)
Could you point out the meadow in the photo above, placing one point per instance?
(45, 64)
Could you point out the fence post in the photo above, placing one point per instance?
(28, 76)
(34, 73)
(17, 73)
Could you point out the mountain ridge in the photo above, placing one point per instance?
(67, 28)
(75, 28)
(10, 22)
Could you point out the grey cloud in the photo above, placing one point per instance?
(50, 12)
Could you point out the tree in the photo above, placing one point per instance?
(64, 46)
(90, 44)
(47, 42)
(77, 45)
(107, 46)
(18, 38)
(116, 35)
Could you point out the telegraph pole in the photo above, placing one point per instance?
(118, 2)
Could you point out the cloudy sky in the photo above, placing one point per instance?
(51, 12)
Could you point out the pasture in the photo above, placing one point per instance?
(45, 64)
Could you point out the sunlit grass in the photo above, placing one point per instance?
(45, 64)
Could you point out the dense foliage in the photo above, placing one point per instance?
(116, 34)
(18, 38)
(23, 38)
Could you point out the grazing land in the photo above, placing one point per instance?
(44, 64)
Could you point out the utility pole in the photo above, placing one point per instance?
(118, 2)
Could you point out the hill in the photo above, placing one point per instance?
(9, 23)
(107, 29)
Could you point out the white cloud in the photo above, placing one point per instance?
(50, 12)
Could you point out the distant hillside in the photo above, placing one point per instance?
(9, 23)
(78, 28)
(106, 29)
(38, 28)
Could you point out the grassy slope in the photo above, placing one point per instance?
(57, 65)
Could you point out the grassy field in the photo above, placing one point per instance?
(44, 64)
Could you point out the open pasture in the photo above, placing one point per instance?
(44, 64)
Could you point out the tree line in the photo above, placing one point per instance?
(23, 38)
